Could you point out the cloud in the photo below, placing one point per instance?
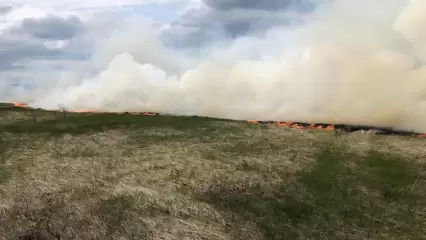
(14, 52)
(211, 20)
(68, 29)
(70, 4)
(270, 5)
(52, 36)
(51, 27)
(5, 8)
(30, 33)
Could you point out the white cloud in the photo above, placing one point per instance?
(31, 31)
(70, 4)
(64, 31)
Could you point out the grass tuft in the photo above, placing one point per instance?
(114, 211)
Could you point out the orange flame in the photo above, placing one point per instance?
(19, 105)
(298, 125)
(283, 124)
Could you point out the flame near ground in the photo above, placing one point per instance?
(351, 62)
(293, 125)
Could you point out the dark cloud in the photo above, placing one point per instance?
(270, 5)
(235, 18)
(5, 9)
(51, 28)
(13, 52)
(35, 39)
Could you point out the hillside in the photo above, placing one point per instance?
(122, 176)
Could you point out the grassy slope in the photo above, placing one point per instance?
(108, 176)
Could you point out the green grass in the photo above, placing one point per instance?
(373, 199)
(92, 123)
(120, 176)
(114, 211)
(10, 108)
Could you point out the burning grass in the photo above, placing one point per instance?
(113, 176)
(39, 121)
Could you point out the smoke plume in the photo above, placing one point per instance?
(351, 62)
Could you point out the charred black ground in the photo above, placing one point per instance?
(351, 128)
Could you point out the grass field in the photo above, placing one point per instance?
(112, 176)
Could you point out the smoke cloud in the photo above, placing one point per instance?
(352, 62)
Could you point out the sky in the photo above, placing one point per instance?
(49, 35)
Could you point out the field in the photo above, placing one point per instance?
(120, 176)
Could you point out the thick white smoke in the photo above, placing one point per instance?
(353, 62)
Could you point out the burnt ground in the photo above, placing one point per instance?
(121, 176)
(346, 128)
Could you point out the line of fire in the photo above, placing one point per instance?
(296, 125)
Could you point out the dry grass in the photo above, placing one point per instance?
(134, 177)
